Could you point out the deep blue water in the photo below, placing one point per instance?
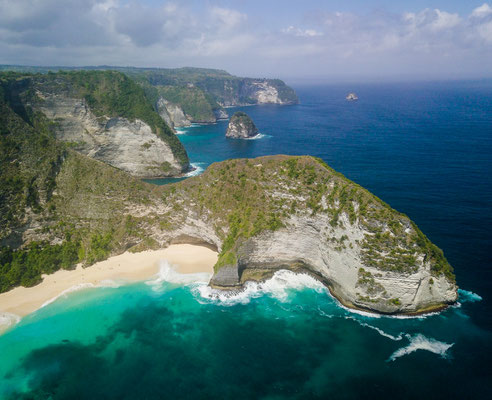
(426, 149)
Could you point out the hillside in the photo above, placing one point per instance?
(262, 215)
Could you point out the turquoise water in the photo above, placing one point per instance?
(426, 149)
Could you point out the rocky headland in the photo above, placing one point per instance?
(241, 126)
(61, 207)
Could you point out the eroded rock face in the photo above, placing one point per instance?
(255, 91)
(221, 114)
(264, 93)
(306, 246)
(173, 114)
(241, 127)
(128, 145)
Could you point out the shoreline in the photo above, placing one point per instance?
(123, 269)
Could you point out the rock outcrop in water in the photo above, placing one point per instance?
(241, 126)
(352, 97)
(262, 215)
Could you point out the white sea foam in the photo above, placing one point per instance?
(106, 283)
(197, 169)
(322, 313)
(109, 283)
(259, 136)
(369, 314)
(278, 286)
(72, 289)
(467, 296)
(168, 273)
(8, 319)
(180, 131)
(380, 331)
(420, 342)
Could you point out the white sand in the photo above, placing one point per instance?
(127, 267)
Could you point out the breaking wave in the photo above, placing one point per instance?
(467, 296)
(375, 328)
(168, 273)
(8, 319)
(278, 286)
(420, 342)
(107, 283)
(259, 136)
(197, 169)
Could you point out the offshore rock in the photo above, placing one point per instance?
(241, 126)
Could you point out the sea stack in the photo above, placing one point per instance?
(351, 97)
(241, 126)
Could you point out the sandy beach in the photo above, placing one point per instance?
(127, 267)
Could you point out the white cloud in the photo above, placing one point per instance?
(227, 18)
(292, 30)
(174, 33)
(483, 11)
(445, 20)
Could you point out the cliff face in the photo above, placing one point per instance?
(241, 127)
(173, 114)
(91, 118)
(247, 91)
(128, 145)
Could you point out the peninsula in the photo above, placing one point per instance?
(61, 206)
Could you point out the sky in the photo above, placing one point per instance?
(330, 40)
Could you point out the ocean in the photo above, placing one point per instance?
(424, 148)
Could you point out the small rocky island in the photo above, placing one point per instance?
(352, 97)
(241, 126)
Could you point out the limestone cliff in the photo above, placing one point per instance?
(241, 127)
(128, 145)
(92, 120)
(173, 114)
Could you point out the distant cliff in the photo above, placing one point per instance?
(201, 94)
(101, 114)
(193, 95)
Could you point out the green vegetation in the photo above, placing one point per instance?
(24, 267)
(366, 280)
(192, 100)
(395, 301)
